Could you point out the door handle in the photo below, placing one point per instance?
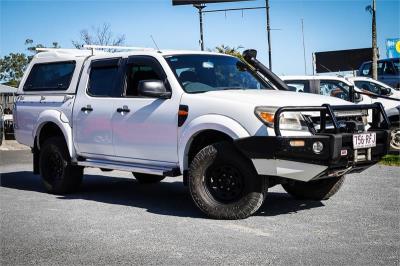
(88, 108)
(124, 109)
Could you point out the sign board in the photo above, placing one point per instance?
(341, 60)
(393, 48)
(198, 2)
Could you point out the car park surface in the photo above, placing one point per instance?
(115, 220)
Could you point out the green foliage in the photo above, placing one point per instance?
(391, 159)
(13, 65)
(226, 49)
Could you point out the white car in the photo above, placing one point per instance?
(374, 86)
(229, 127)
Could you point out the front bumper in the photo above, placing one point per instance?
(274, 156)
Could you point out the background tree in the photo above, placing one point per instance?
(226, 49)
(13, 65)
(101, 35)
(32, 47)
(372, 10)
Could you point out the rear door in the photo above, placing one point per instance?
(94, 108)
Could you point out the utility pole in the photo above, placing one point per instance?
(200, 7)
(374, 45)
(304, 47)
(268, 35)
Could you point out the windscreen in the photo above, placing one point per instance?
(202, 73)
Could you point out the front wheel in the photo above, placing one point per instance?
(224, 184)
(321, 189)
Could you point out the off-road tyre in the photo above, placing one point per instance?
(147, 178)
(58, 175)
(244, 198)
(395, 139)
(321, 189)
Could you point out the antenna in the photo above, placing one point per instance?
(151, 36)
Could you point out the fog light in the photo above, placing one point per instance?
(317, 147)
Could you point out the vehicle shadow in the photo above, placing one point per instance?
(165, 198)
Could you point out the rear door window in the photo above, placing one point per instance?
(104, 78)
(50, 76)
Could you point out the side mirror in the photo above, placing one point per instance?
(154, 89)
(386, 92)
(357, 98)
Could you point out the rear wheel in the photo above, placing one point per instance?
(147, 178)
(224, 184)
(58, 175)
(321, 189)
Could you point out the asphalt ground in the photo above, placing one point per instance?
(115, 220)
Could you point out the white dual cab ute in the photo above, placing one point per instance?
(230, 127)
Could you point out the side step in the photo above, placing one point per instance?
(131, 167)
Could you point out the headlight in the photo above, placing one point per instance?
(287, 121)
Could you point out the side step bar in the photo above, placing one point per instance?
(131, 167)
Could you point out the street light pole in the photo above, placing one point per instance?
(268, 35)
(304, 47)
(200, 7)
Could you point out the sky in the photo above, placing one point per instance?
(328, 25)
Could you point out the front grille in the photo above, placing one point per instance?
(347, 124)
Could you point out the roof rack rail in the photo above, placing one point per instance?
(97, 47)
(62, 51)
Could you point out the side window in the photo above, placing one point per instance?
(332, 88)
(368, 86)
(139, 71)
(298, 85)
(50, 76)
(380, 68)
(366, 70)
(389, 69)
(103, 78)
(396, 65)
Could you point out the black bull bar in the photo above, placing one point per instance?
(379, 117)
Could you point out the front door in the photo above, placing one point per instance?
(145, 128)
